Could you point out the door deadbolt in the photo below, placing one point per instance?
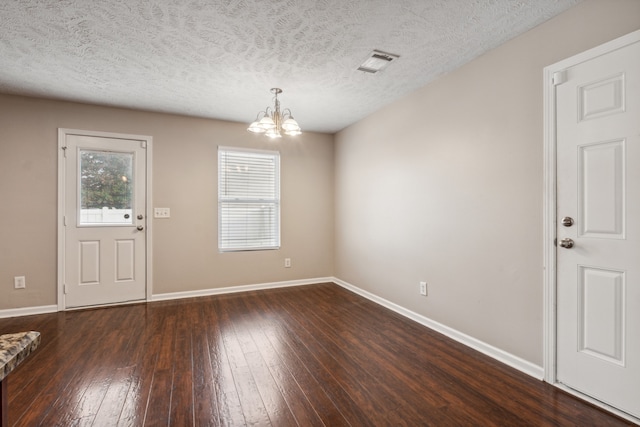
(567, 221)
(140, 217)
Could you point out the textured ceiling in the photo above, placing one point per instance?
(219, 58)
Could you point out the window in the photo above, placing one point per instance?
(248, 199)
(106, 187)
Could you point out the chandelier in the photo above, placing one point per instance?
(272, 122)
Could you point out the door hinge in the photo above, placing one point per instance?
(64, 221)
(64, 288)
(143, 144)
(559, 77)
(64, 152)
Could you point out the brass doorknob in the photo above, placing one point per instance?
(566, 243)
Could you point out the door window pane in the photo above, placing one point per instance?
(106, 187)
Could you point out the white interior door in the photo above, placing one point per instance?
(598, 187)
(104, 220)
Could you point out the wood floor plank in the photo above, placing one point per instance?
(73, 378)
(40, 388)
(230, 408)
(253, 407)
(204, 390)
(347, 375)
(361, 347)
(352, 351)
(182, 400)
(114, 399)
(272, 398)
(143, 357)
(303, 356)
(293, 396)
(159, 403)
(456, 393)
(292, 366)
(100, 370)
(317, 362)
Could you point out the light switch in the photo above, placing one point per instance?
(162, 213)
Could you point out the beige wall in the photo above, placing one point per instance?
(446, 185)
(185, 253)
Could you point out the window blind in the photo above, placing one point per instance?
(248, 199)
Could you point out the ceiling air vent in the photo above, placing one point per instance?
(377, 61)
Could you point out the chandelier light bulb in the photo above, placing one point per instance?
(255, 128)
(267, 123)
(290, 125)
(273, 133)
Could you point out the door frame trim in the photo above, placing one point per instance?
(550, 216)
(148, 140)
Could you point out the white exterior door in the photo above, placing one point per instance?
(598, 254)
(103, 220)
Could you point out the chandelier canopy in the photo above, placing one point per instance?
(273, 122)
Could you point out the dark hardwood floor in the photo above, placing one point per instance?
(304, 356)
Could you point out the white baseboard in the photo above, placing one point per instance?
(243, 288)
(28, 311)
(491, 351)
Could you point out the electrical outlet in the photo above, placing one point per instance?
(423, 288)
(161, 213)
(287, 262)
(19, 282)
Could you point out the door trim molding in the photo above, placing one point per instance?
(549, 210)
(62, 136)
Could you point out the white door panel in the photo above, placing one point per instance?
(601, 302)
(598, 185)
